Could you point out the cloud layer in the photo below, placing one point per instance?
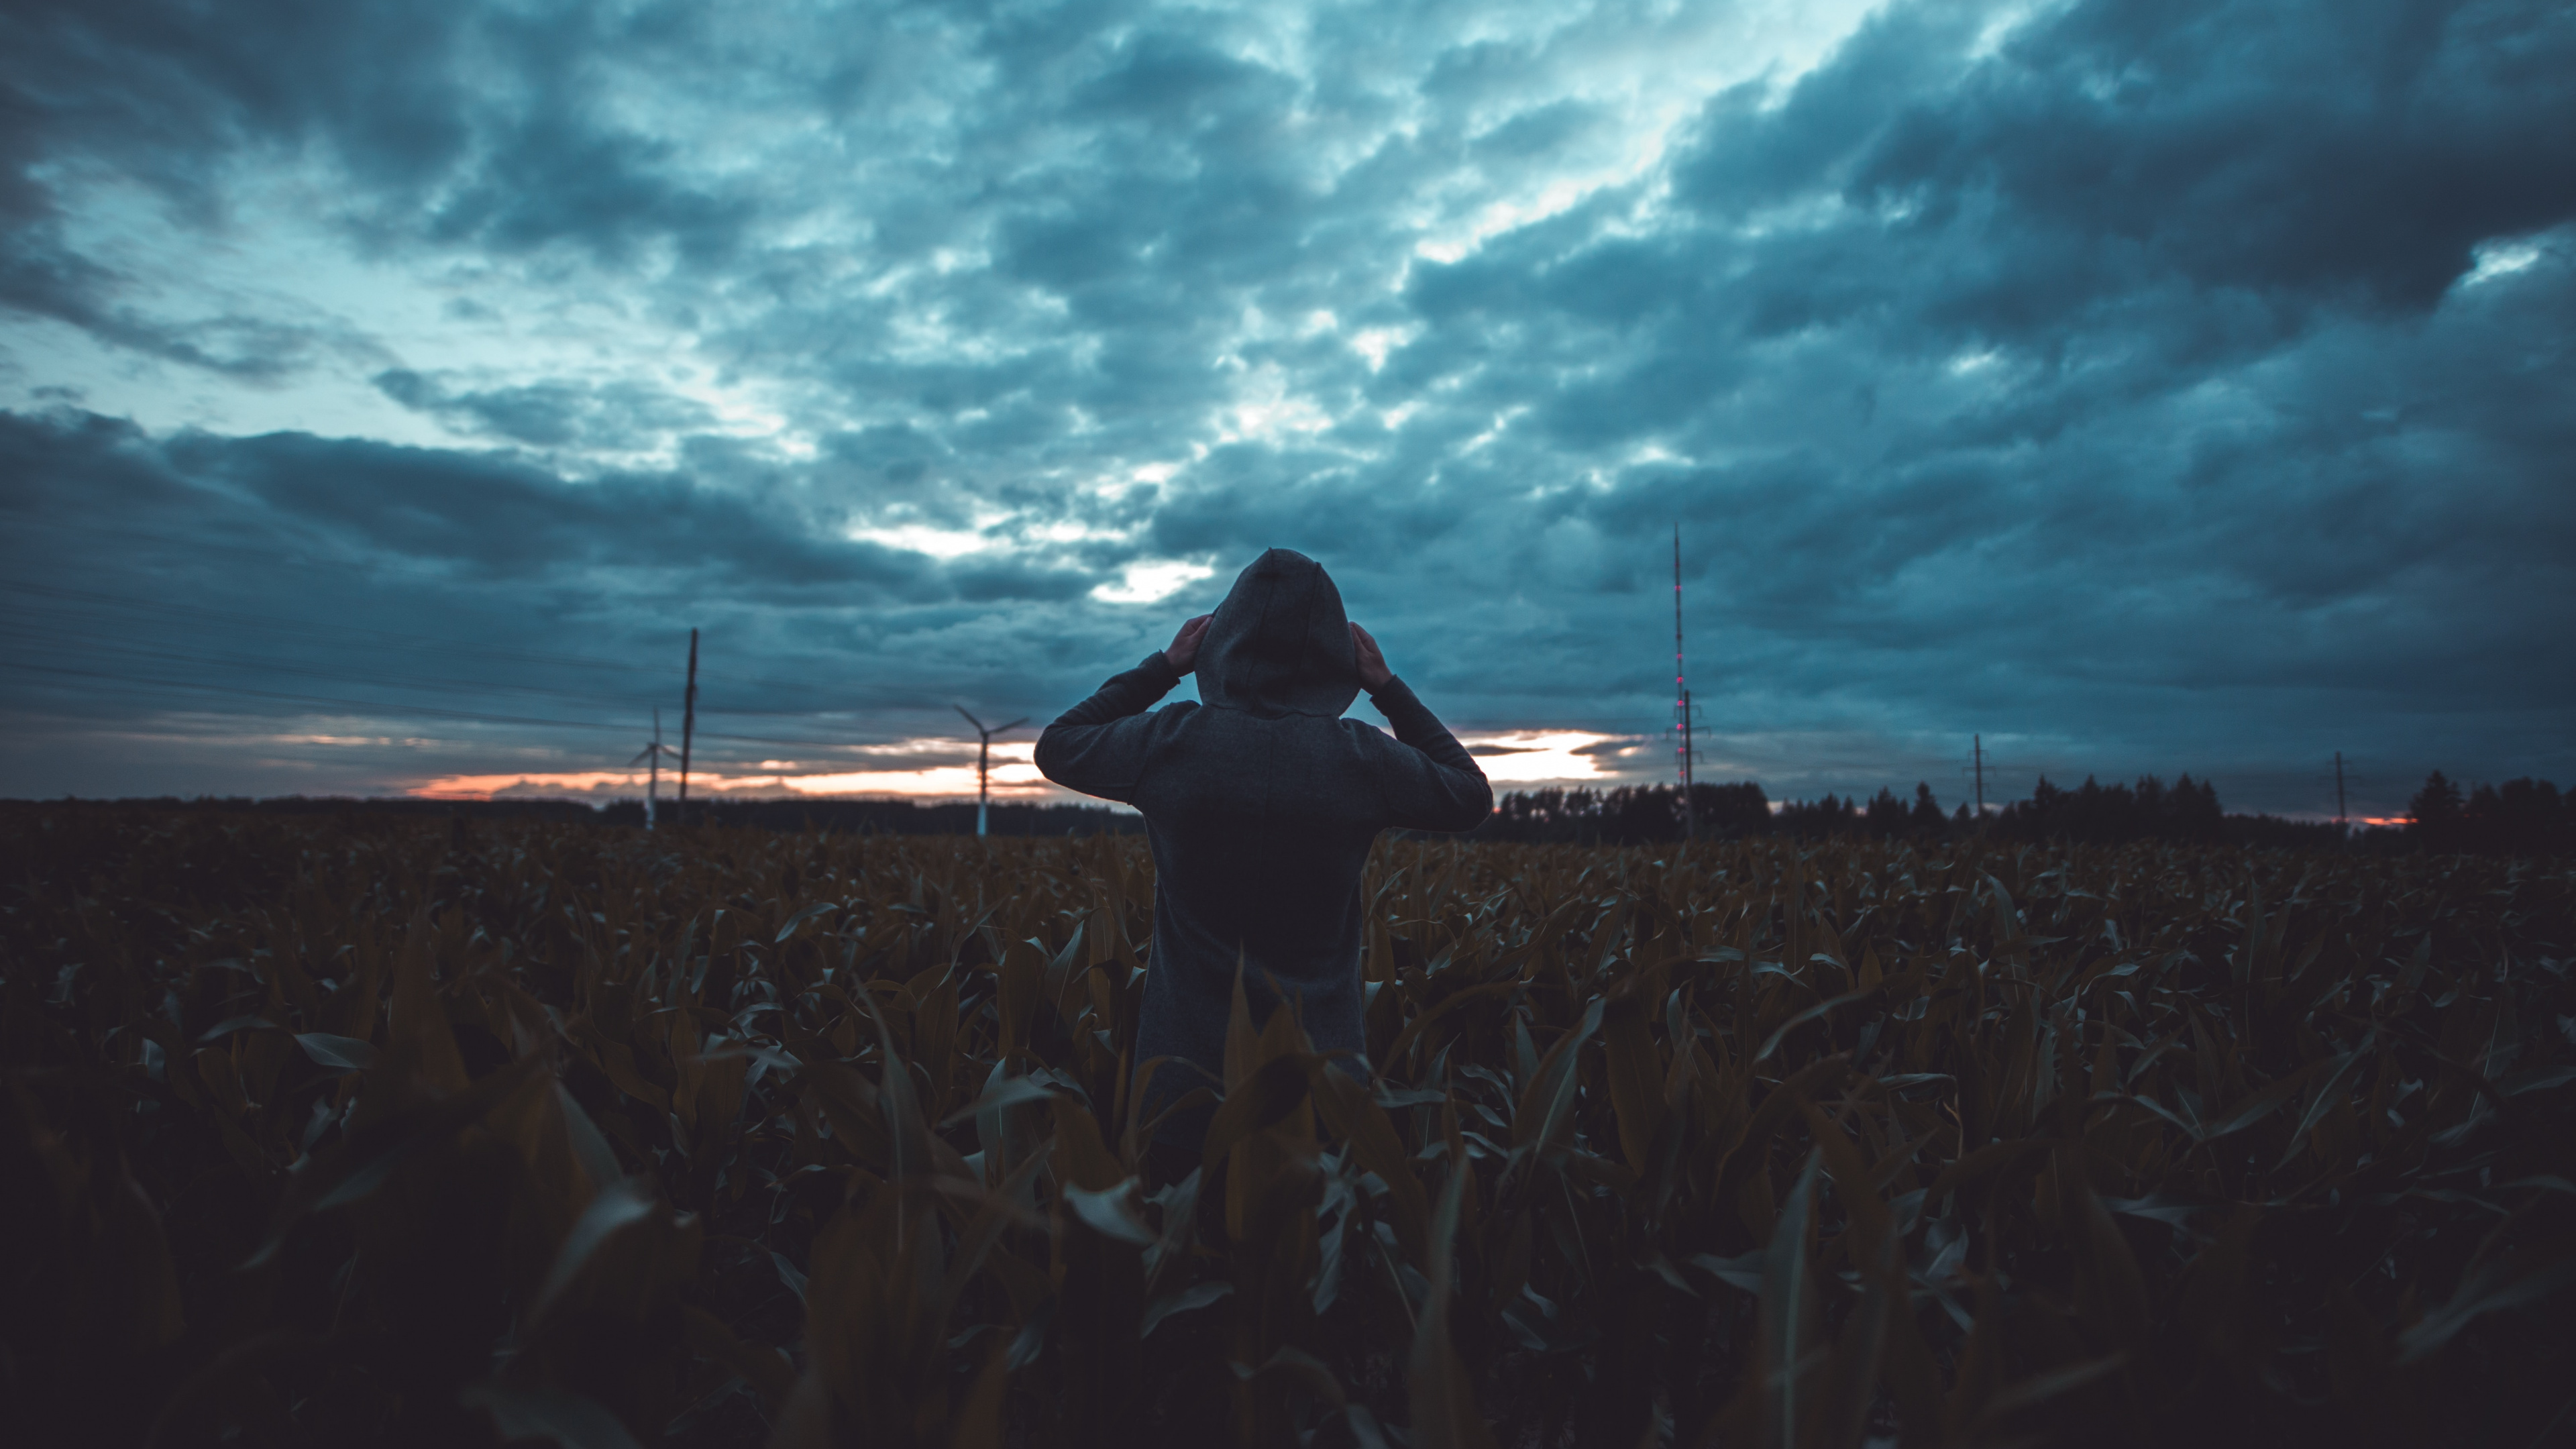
(2140, 386)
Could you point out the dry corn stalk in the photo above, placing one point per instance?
(334, 1130)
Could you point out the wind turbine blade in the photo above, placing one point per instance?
(1015, 724)
(970, 719)
(641, 756)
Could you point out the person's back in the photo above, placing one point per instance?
(1260, 804)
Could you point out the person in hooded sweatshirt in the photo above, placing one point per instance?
(1260, 804)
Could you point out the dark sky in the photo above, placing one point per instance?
(2146, 385)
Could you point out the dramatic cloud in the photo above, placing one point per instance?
(2171, 386)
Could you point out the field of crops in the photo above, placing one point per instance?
(335, 1132)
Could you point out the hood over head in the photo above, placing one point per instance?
(1280, 643)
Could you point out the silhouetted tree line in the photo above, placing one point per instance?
(892, 817)
(1641, 814)
(2518, 817)
(2092, 813)
(412, 806)
(2097, 814)
(1884, 817)
(1628, 815)
(874, 817)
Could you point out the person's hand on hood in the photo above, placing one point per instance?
(1373, 671)
(1183, 655)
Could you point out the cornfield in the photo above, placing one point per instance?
(344, 1131)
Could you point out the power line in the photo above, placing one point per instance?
(1682, 705)
(359, 704)
(869, 698)
(355, 633)
(382, 708)
(80, 643)
(83, 644)
(362, 636)
(239, 662)
(688, 729)
(92, 638)
(358, 636)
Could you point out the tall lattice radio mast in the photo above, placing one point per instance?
(1681, 692)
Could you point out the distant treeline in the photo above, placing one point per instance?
(892, 817)
(2521, 817)
(1640, 814)
(858, 817)
(2518, 817)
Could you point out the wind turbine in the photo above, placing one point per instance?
(984, 760)
(653, 783)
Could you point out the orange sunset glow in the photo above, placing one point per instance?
(1520, 757)
(1014, 777)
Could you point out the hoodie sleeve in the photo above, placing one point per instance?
(1428, 779)
(1098, 747)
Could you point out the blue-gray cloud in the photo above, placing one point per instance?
(553, 414)
(2158, 386)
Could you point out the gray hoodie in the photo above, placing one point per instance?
(1260, 803)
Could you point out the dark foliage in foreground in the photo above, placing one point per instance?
(330, 1132)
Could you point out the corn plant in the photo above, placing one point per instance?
(335, 1130)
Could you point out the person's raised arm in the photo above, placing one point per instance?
(1433, 783)
(1096, 747)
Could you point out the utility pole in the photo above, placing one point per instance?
(653, 782)
(1981, 776)
(984, 761)
(688, 728)
(1681, 686)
